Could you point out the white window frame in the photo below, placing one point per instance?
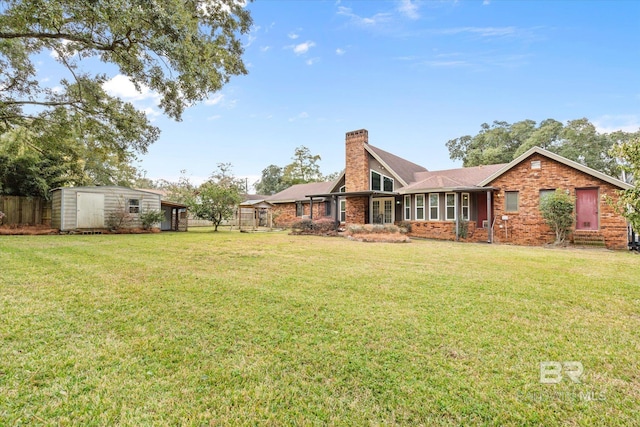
(420, 217)
(437, 206)
(343, 210)
(465, 216)
(447, 206)
(382, 179)
(134, 206)
(407, 208)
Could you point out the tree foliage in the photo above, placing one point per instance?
(628, 151)
(180, 50)
(502, 142)
(217, 199)
(557, 211)
(304, 168)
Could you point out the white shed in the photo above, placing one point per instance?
(93, 208)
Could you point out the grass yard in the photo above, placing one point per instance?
(223, 328)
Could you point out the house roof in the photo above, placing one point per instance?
(299, 192)
(558, 158)
(402, 169)
(451, 179)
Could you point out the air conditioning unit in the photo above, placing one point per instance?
(485, 223)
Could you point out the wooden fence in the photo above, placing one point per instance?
(25, 210)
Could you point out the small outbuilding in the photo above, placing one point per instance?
(101, 207)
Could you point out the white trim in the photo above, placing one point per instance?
(437, 206)
(382, 177)
(407, 205)
(383, 163)
(340, 201)
(447, 206)
(560, 159)
(462, 207)
(381, 206)
(424, 214)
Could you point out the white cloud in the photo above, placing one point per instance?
(122, 87)
(409, 9)
(364, 21)
(303, 48)
(214, 117)
(480, 31)
(486, 3)
(612, 123)
(312, 61)
(340, 51)
(301, 116)
(293, 35)
(217, 99)
(152, 113)
(265, 48)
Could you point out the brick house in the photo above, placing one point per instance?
(492, 203)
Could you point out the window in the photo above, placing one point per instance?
(342, 189)
(450, 199)
(380, 182)
(387, 183)
(299, 209)
(134, 206)
(511, 201)
(465, 206)
(327, 208)
(420, 207)
(407, 208)
(343, 210)
(434, 201)
(545, 193)
(376, 181)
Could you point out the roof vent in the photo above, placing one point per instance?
(535, 164)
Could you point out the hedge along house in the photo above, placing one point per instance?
(492, 203)
(93, 208)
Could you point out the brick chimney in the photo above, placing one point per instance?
(357, 176)
(356, 161)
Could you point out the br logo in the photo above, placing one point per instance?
(552, 372)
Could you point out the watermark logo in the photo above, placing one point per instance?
(553, 372)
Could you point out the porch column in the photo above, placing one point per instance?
(370, 209)
(310, 209)
(457, 211)
(336, 212)
(489, 221)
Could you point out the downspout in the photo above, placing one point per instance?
(457, 206)
(489, 222)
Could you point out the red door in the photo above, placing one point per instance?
(587, 209)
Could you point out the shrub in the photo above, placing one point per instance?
(405, 226)
(319, 227)
(1, 217)
(149, 218)
(557, 211)
(120, 218)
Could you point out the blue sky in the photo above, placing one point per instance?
(414, 74)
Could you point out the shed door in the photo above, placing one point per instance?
(90, 212)
(587, 209)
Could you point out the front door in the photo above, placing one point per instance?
(383, 210)
(587, 209)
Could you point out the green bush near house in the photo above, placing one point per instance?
(151, 217)
(557, 211)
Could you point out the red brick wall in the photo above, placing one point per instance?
(357, 208)
(284, 214)
(446, 230)
(356, 161)
(526, 227)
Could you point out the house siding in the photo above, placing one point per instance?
(284, 214)
(526, 226)
(115, 198)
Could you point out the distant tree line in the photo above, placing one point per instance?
(576, 140)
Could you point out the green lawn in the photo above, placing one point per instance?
(204, 328)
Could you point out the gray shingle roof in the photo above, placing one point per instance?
(452, 178)
(299, 192)
(405, 169)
